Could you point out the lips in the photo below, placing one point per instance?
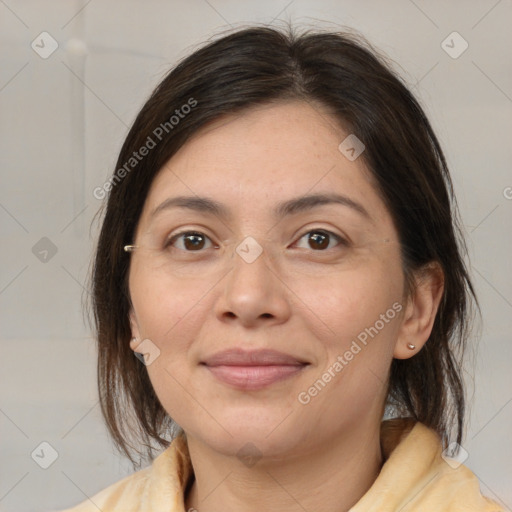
(239, 357)
(251, 370)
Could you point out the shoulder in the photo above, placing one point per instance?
(417, 476)
(159, 487)
(128, 490)
(458, 488)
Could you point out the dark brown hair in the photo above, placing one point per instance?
(346, 75)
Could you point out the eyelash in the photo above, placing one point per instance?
(341, 241)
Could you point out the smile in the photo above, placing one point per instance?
(254, 377)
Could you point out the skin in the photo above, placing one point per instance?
(295, 297)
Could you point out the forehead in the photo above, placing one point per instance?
(265, 155)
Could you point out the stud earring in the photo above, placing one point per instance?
(410, 346)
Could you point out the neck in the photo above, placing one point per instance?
(330, 476)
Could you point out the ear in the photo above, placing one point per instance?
(421, 310)
(135, 331)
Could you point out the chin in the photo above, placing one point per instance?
(263, 430)
(249, 442)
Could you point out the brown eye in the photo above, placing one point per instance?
(319, 240)
(189, 241)
(194, 242)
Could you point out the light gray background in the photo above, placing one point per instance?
(62, 121)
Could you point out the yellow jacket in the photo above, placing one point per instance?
(414, 477)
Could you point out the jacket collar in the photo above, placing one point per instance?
(414, 477)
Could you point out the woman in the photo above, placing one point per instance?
(281, 253)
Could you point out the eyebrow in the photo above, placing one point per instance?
(283, 209)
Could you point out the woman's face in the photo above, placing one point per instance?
(279, 266)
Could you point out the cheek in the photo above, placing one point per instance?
(356, 325)
(362, 310)
(341, 305)
(170, 313)
(165, 305)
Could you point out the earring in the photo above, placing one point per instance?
(410, 346)
(134, 340)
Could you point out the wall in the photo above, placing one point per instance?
(62, 121)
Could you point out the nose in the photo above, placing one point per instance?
(254, 293)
